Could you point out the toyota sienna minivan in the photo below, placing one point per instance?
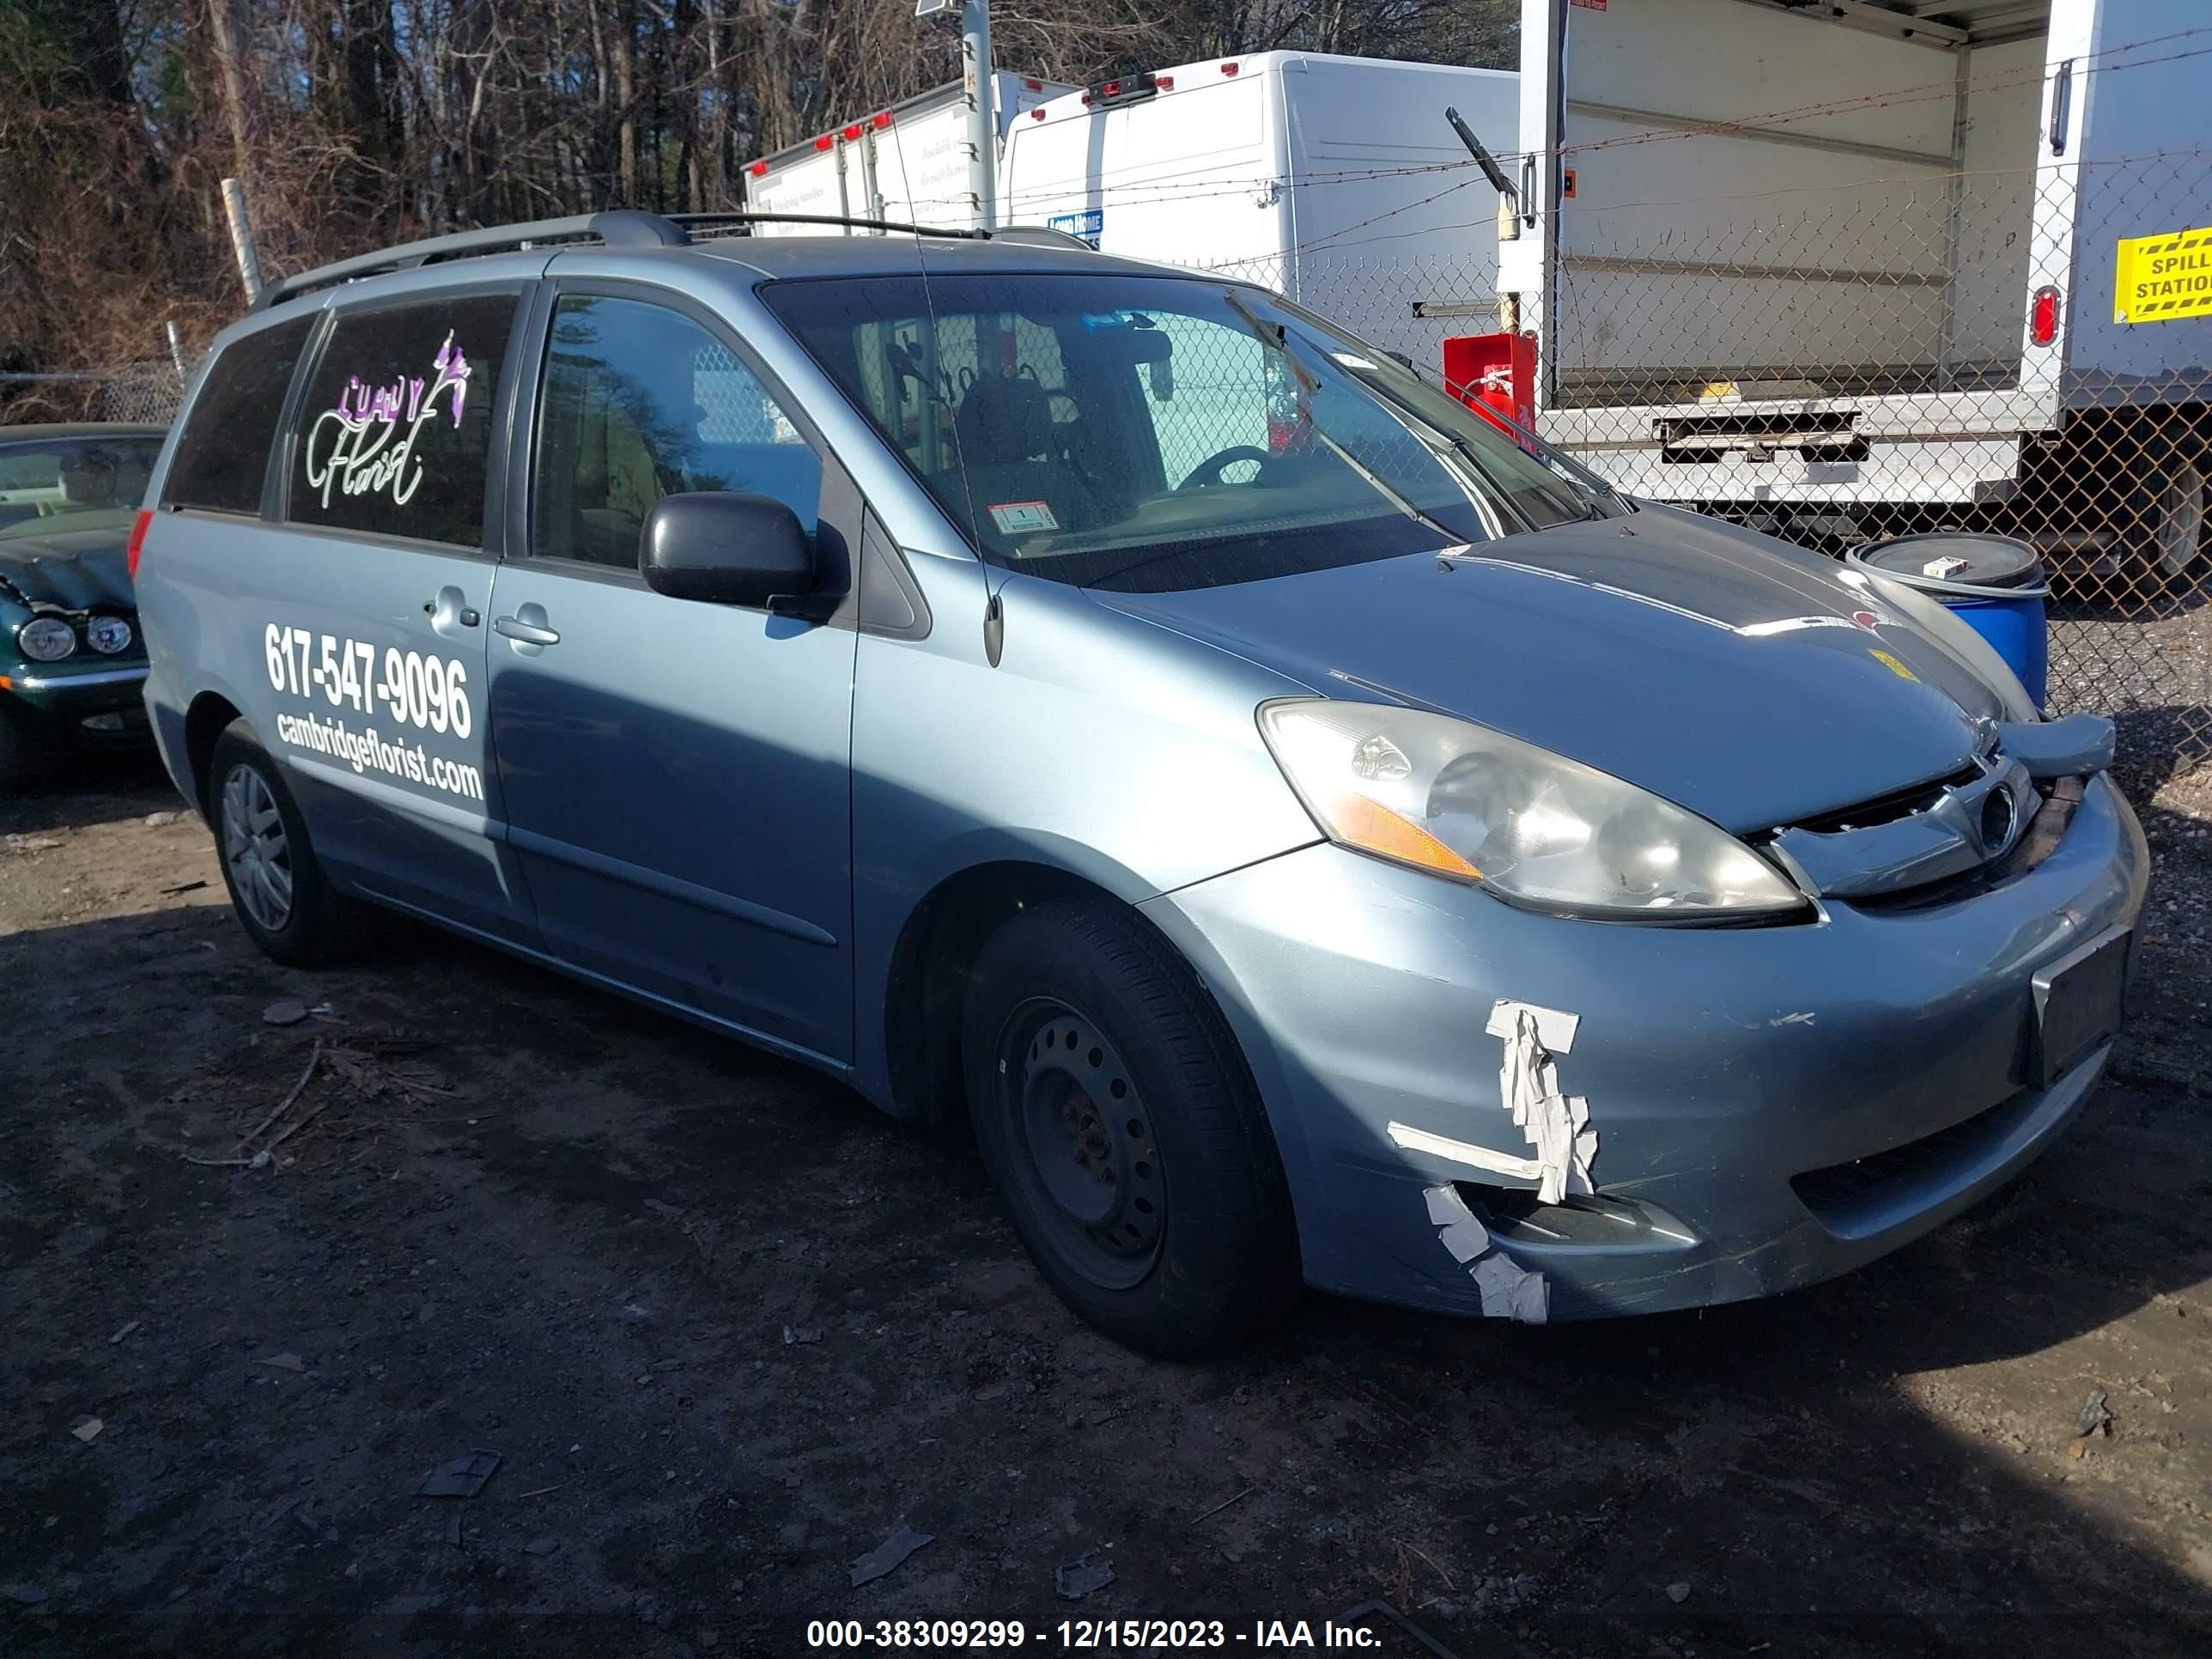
(1312, 834)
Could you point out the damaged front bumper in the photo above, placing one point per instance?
(1469, 1096)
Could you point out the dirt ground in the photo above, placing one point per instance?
(727, 1329)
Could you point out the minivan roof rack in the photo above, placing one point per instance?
(618, 227)
(615, 228)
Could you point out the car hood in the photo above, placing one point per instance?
(1736, 676)
(75, 569)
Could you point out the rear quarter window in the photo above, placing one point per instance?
(395, 429)
(223, 454)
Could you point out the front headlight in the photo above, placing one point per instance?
(46, 639)
(1459, 800)
(108, 635)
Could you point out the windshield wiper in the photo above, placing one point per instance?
(1276, 338)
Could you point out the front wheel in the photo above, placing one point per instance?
(280, 896)
(18, 756)
(1124, 1131)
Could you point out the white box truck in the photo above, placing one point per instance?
(1335, 180)
(908, 164)
(1873, 265)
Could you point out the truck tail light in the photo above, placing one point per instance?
(881, 119)
(139, 526)
(1126, 88)
(826, 141)
(2043, 316)
(1229, 69)
(759, 169)
(853, 133)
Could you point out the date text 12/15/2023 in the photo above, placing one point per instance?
(1088, 1635)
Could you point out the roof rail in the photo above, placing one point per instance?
(1026, 235)
(1041, 236)
(616, 227)
(619, 227)
(741, 217)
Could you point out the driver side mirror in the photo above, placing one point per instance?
(726, 547)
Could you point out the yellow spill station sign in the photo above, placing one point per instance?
(2164, 278)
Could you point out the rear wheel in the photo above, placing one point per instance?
(1120, 1125)
(2178, 523)
(281, 898)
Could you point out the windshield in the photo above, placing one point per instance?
(59, 483)
(1151, 433)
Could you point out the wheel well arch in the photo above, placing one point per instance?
(205, 721)
(931, 960)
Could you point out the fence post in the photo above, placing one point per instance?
(241, 238)
(176, 347)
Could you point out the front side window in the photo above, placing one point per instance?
(639, 402)
(395, 432)
(87, 483)
(1148, 434)
(223, 454)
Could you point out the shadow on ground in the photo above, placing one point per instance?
(727, 1328)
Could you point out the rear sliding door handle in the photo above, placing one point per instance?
(514, 628)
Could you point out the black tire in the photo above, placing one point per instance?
(2173, 527)
(1153, 1199)
(19, 757)
(319, 925)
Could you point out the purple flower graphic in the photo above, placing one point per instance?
(452, 366)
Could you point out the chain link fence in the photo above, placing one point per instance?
(1912, 351)
(147, 393)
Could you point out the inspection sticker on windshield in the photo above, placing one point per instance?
(1020, 518)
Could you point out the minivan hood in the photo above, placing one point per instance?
(1732, 674)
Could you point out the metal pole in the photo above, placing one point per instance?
(241, 238)
(176, 347)
(982, 109)
(871, 187)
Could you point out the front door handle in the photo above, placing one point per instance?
(450, 611)
(514, 628)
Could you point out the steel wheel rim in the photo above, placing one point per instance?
(1084, 1153)
(255, 849)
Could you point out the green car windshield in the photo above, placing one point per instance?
(1151, 433)
(91, 482)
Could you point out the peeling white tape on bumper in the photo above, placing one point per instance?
(1509, 1290)
(1464, 1151)
(1557, 1124)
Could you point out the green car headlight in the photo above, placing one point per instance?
(46, 639)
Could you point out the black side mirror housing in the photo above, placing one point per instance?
(726, 547)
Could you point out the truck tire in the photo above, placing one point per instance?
(1124, 1131)
(2176, 531)
(278, 892)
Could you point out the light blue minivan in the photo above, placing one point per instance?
(1311, 834)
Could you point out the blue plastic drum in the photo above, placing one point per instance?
(1995, 585)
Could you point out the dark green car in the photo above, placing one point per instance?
(72, 662)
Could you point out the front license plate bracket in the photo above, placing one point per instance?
(2078, 1001)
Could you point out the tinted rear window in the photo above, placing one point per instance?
(223, 452)
(395, 431)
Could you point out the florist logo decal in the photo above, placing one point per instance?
(367, 444)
